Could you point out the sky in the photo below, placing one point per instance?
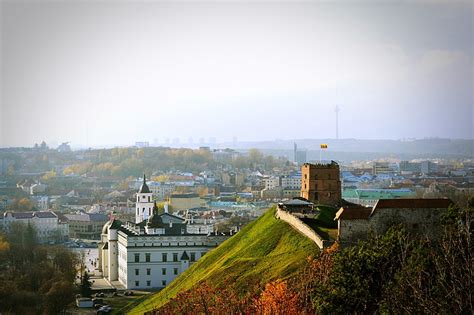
(102, 73)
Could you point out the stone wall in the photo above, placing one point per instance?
(350, 230)
(420, 221)
(304, 229)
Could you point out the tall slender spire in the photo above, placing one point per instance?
(144, 188)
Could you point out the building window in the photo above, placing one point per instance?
(193, 257)
(164, 257)
(137, 283)
(163, 282)
(175, 256)
(163, 271)
(137, 272)
(148, 271)
(148, 283)
(137, 257)
(175, 271)
(147, 257)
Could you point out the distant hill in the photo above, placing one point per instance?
(266, 249)
(353, 149)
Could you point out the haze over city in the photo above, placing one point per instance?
(108, 73)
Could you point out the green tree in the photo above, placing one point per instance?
(86, 285)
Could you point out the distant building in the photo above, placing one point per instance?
(142, 144)
(291, 182)
(320, 183)
(299, 156)
(161, 190)
(185, 201)
(382, 168)
(86, 225)
(272, 182)
(233, 179)
(289, 193)
(419, 216)
(42, 202)
(47, 224)
(423, 167)
(369, 197)
(64, 147)
(225, 156)
(38, 188)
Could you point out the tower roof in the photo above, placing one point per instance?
(184, 256)
(144, 187)
(155, 221)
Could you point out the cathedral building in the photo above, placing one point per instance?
(153, 250)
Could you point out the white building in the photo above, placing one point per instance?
(154, 250)
(161, 190)
(272, 182)
(46, 223)
(291, 182)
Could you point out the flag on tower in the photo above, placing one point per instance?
(324, 146)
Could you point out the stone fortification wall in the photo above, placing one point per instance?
(301, 227)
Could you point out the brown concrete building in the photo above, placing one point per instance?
(320, 183)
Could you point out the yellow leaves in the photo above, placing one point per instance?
(4, 245)
(49, 175)
(277, 298)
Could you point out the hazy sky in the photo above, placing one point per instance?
(108, 72)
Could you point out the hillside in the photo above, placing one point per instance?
(265, 250)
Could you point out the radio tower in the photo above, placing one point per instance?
(337, 109)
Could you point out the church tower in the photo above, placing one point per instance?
(144, 206)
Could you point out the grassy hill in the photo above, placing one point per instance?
(265, 250)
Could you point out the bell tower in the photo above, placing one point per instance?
(144, 206)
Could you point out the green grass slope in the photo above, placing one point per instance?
(266, 249)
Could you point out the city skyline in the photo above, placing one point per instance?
(98, 74)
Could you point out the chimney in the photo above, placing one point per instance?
(166, 207)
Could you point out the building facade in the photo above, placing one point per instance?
(320, 183)
(48, 226)
(86, 225)
(151, 253)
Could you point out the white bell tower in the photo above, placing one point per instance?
(144, 206)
